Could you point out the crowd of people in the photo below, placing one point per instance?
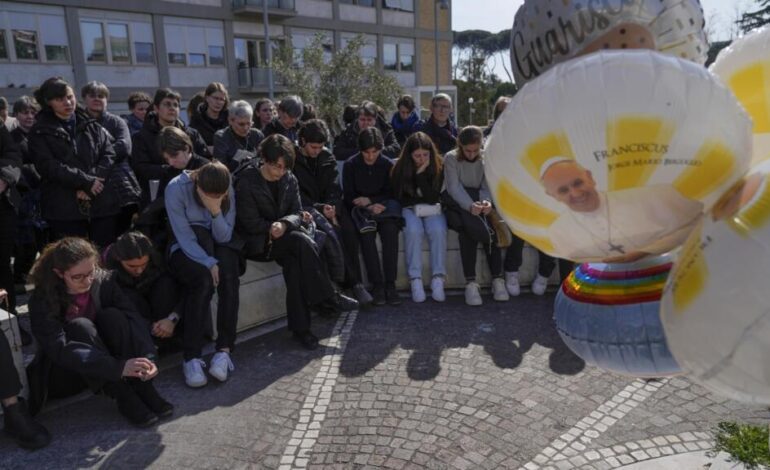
(126, 226)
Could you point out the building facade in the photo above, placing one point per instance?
(185, 44)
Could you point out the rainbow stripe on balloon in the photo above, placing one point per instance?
(604, 284)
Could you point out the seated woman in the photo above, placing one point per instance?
(176, 147)
(142, 274)
(239, 141)
(417, 179)
(321, 195)
(18, 424)
(270, 221)
(88, 331)
(201, 210)
(368, 195)
(467, 205)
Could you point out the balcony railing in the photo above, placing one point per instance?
(257, 78)
(275, 7)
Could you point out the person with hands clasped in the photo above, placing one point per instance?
(89, 333)
(467, 204)
(203, 257)
(74, 156)
(272, 224)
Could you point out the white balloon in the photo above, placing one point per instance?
(745, 68)
(547, 33)
(716, 304)
(653, 140)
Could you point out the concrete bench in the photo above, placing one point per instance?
(263, 293)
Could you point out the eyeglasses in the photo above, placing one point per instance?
(217, 98)
(442, 107)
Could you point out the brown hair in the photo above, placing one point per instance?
(403, 172)
(214, 87)
(213, 178)
(467, 136)
(60, 255)
(172, 139)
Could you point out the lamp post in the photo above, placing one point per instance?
(470, 111)
(444, 5)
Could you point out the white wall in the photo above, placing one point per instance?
(32, 75)
(314, 8)
(256, 29)
(209, 3)
(197, 76)
(124, 76)
(405, 79)
(397, 18)
(358, 14)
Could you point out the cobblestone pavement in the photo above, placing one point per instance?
(416, 386)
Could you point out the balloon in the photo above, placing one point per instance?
(615, 155)
(745, 68)
(544, 35)
(716, 304)
(609, 316)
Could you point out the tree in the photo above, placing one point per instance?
(333, 81)
(754, 19)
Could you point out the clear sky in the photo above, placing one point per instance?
(496, 15)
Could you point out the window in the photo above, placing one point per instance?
(3, 49)
(368, 51)
(302, 39)
(53, 34)
(93, 42)
(110, 42)
(25, 44)
(199, 44)
(216, 55)
(398, 54)
(118, 35)
(403, 5)
(363, 3)
(390, 57)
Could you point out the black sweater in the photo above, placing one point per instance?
(427, 194)
(317, 179)
(372, 181)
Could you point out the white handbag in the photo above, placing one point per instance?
(427, 210)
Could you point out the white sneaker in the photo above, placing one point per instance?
(512, 283)
(437, 289)
(418, 292)
(499, 292)
(472, 294)
(193, 373)
(221, 364)
(539, 285)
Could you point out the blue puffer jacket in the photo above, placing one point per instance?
(403, 128)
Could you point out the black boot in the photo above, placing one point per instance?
(130, 405)
(307, 339)
(339, 303)
(20, 427)
(378, 295)
(150, 397)
(391, 295)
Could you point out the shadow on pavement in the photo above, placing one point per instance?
(505, 330)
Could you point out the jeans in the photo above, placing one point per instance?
(415, 230)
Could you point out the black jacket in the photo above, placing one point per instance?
(444, 138)
(84, 359)
(67, 166)
(372, 181)
(227, 144)
(275, 127)
(206, 126)
(122, 175)
(169, 173)
(256, 209)
(146, 159)
(317, 179)
(346, 144)
(30, 178)
(10, 167)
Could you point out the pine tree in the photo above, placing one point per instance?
(754, 19)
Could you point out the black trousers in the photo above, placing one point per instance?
(306, 278)
(388, 231)
(545, 263)
(162, 298)
(350, 246)
(110, 332)
(10, 385)
(7, 241)
(471, 231)
(197, 288)
(102, 231)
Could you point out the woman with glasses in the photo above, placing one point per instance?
(212, 113)
(74, 156)
(90, 334)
